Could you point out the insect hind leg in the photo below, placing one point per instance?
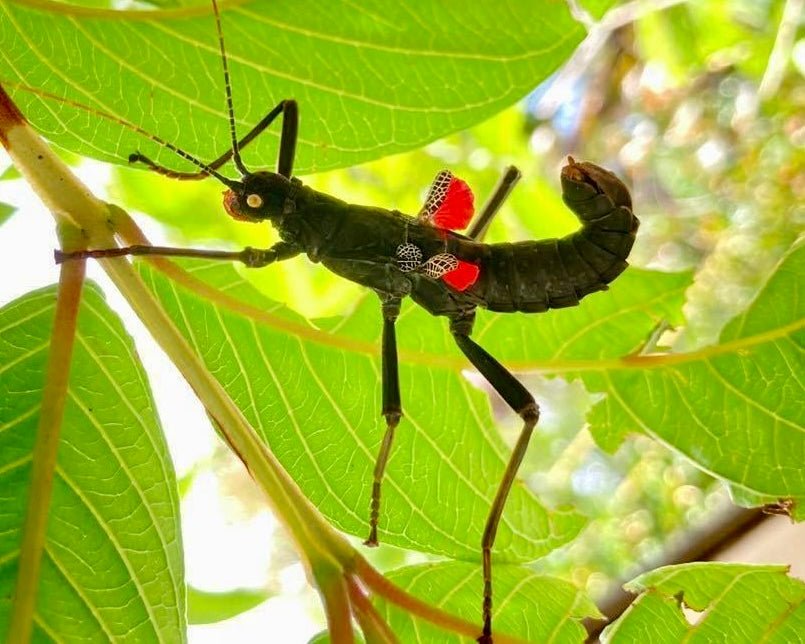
(522, 402)
(392, 407)
(501, 192)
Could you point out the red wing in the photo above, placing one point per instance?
(450, 203)
(462, 276)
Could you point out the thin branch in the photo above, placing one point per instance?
(383, 587)
(375, 629)
(580, 14)
(72, 204)
(335, 598)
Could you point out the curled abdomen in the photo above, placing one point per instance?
(534, 276)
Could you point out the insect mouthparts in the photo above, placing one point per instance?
(232, 206)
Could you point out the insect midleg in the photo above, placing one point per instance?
(522, 402)
(392, 408)
(478, 229)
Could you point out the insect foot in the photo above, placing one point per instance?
(392, 420)
(257, 257)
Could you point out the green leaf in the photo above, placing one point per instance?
(735, 409)
(597, 8)
(334, 397)
(10, 173)
(608, 324)
(370, 81)
(738, 603)
(535, 607)
(5, 212)
(323, 637)
(112, 567)
(317, 406)
(207, 608)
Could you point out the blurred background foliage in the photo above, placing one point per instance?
(701, 107)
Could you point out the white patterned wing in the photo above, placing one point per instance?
(439, 264)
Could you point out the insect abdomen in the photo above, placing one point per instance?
(553, 273)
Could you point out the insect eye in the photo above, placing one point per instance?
(254, 201)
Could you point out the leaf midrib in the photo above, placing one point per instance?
(633, 362)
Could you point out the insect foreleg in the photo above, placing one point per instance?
(251, 257)
(290, 127)
(392, 408)
(522, 402)
(501, 192)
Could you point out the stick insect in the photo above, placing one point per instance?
(424, 257)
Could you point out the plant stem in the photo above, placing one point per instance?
(46, 173)
(51, 413)
(375, 630)
(333, 589)
(781, 52)
(382, 586)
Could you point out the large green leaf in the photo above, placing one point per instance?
(5, 212)
(317, 403)
(318, 407)
(535, 607)
(112, 568)
(736, 408)
(205, 607)
(738, 603)
(605, 325)
(328, 389)
(371, 80)
(596, 8)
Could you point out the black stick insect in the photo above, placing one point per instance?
(447, 273)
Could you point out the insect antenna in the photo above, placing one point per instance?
(205, 168)
(228, 89)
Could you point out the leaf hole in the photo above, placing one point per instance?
(692, 616)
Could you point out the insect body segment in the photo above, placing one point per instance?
(534, 276)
